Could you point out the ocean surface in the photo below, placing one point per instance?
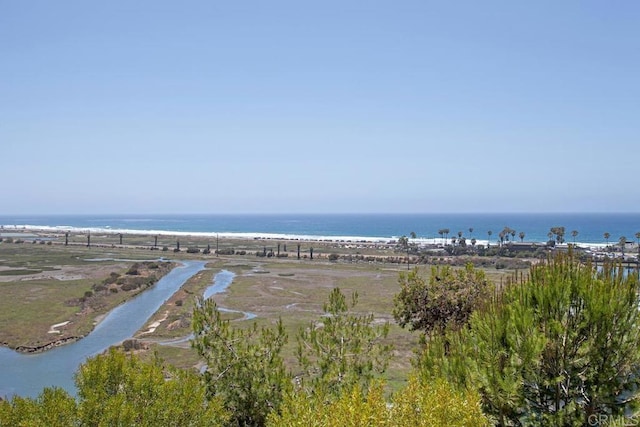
(590, 226)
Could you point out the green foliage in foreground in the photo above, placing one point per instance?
(419, 404)
(562, 348)
(246, 370)
(122, 390)
(119, 390)
(244, 366)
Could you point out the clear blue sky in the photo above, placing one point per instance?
(324, 106)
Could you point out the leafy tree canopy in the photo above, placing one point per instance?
(446, 300)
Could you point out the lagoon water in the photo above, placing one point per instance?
(27, 374)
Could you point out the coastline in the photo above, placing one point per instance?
(59, 231)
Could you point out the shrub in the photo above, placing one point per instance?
(129, 286)
(116, 389)
(133, 270)
(447, 300)
(113, 278)
(418, 404)
(333, 257)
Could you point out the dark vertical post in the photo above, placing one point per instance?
(311, 252)
(278, 249)
(285, 247)
(298, 250)
(120, 238)
(178, 245)
(66, 239)
(264, 251)
(155, 241)
(89, 239)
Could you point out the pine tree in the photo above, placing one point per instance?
(244, 365)
(556, 349)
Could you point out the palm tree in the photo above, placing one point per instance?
(471, 231)
(638, 243)
(489, 241)
(559, 233)
(606, 237)
(441, 233)
(412, 234)
(623, 243)
(574, 233)
(521, 235)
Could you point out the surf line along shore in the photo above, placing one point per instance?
(28, 374)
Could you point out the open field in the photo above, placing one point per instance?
(41, 281)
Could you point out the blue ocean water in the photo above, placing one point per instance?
(590, 226)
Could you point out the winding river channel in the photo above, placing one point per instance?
(28, 374)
